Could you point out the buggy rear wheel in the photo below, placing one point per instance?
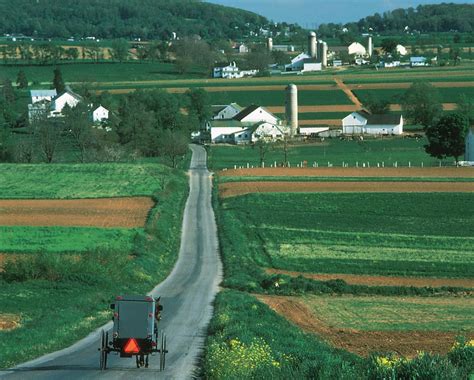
(103, 350)
(163, 352)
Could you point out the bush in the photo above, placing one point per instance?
(462, 355)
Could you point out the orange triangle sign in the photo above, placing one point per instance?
(131, 347)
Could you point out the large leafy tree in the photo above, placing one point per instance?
(446, 138)
(199, 105)
(421, 104)
(58, 82)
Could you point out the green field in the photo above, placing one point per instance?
(394, 314)
(447, 95)
(81, 180)
(277, 98)
(19, 239)
(386, 151)
(372, 233)
(98, 72)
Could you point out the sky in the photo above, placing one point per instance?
(309, 13)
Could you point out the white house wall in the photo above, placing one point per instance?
(267, 130)
(227, 113)
(100, 114)
(224, 134)
(64, 99)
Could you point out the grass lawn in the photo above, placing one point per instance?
(376, 313)
(447, 95)
(335, 151)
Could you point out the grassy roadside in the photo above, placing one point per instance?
(60, 299)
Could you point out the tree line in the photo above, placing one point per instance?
(149, 19)
(424, 18)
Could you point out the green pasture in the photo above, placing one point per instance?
(378, 313)
(468, 77)
(447, 95)
(19, 239)
(81, 180)
(98, 72)
(386, 151)
(277, 98)
(371, 233)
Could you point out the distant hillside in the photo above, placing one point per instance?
(424, 18)
(125, 19)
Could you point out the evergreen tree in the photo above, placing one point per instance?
(58, 82)
(21, 80)
(8, 93)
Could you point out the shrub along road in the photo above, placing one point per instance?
(186, 294)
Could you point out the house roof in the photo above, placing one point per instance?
(43, 93)
(384, 119)
(217, 108)
(247, 111)
(417, 59)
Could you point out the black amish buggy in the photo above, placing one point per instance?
(135, 331)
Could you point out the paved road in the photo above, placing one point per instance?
(187, 295)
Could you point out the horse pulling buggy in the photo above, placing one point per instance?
(135, 331)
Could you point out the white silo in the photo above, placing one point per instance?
(270, 44)
(370, 46)
(312, 45)
(291, 108)
(324, 54)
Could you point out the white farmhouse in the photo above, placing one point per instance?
(248, 126)
(469, 152)
(242, 49)
(59, 102)
(357, 49)
(100, 114)
(231, 72)
(39, 95)
(224, 112)
(362, 122)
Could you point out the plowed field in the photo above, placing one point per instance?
(353, 279)
(231, 189)
(362, 343)
(106, 212)
(351, 172)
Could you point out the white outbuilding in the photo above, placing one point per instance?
(100, 114)
(362, 122)
(59, 102)
(225, 111)
(39, 95)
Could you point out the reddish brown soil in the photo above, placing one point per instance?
(353, 279)
(362, 343)
(231, 189)
(351, 172)
(348, 92)
(106, 212)
(9, 322)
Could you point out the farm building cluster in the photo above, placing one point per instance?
(233, 124)
(51, 104)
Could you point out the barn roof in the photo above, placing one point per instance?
(383, 119)
(247, 111)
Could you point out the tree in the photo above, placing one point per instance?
(119, 50)
(389, 45)
(8, 94)
(79, 126)
(21, 80)
(259, 60)
(192, 51)
(421, 104)
(48, 134)
(263, 145)
(280, 57)
(173, 145)
(446, 138)
(465, 106)
(58, 82)
(199, 105)
(377, 106)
